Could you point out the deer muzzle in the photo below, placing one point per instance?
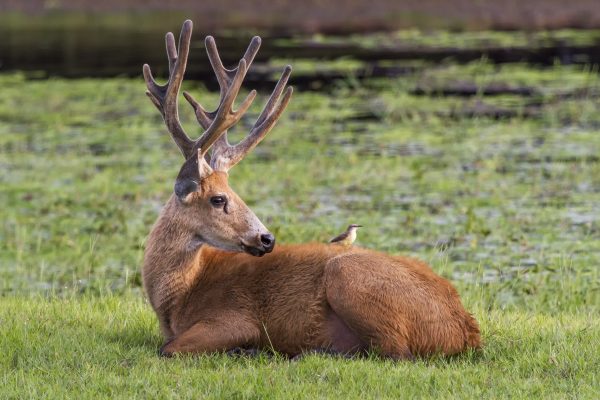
(265, 244)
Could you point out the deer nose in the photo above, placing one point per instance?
(268, 241)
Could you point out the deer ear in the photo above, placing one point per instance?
(204, 169)
(184, 187)
(193, 170)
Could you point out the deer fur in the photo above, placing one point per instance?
(217, 281)
(296, 298)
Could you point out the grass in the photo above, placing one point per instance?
(440, 38)
(82, 347)
(507, 209)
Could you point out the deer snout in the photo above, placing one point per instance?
(260, 244)
(268, 241)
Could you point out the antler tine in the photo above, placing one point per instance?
(164, 97)
(201, 114)
(171, 51)
(224, 75)
(217, 122)
(271, 104)
(223, 117)
(226, 156)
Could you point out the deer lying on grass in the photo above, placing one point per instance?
(217, 282)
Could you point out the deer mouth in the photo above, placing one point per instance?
(254, 251)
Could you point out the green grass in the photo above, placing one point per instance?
(82, 347)
(507, 209)
(439, 38)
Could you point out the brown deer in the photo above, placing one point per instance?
(217, 282)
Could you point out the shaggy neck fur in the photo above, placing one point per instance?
(172, 262)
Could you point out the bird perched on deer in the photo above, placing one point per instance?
(348, 237)
(217, 282)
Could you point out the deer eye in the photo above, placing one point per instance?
(218, 201)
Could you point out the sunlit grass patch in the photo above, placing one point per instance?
(106, 345)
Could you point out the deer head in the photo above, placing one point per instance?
(206, 206)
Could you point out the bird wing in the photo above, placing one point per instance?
(339, 238)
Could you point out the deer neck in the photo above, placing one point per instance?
(172, 262)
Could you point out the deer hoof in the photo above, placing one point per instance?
(241, 352)
(163, 352)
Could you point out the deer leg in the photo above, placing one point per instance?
(213, 336)
(360, 300)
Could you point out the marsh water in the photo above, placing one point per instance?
(80, 48)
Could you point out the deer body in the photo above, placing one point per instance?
(217, 282)
(299, 297)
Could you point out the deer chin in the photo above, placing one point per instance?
(254, 251)
(221, 245)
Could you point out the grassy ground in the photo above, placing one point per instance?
(106, 347)
(507, 209)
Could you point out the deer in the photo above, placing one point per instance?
(217, 282)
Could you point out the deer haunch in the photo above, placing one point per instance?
(398, 305)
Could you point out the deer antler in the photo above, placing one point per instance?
(224, 156)
(164, 97)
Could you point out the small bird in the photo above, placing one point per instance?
(347, 238)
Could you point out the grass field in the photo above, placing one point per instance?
(500, 194)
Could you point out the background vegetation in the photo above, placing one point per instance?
(489, 172)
